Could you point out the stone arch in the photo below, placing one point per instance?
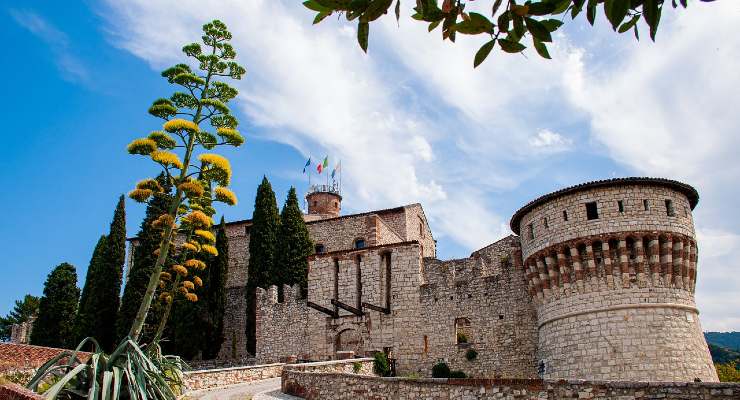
(348, 339)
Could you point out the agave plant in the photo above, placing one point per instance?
(130, 372)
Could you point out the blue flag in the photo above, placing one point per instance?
(307, 164)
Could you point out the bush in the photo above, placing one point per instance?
(381, 367)
(471, 354)
(356, 367)
(440, 370)
(458, 375)
(462, 338)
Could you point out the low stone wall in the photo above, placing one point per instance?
(211, 378)
(361, 366)
(222, 363)
(16, 392)
(338, 386)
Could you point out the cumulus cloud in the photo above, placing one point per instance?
(547, 141)
(70, 66)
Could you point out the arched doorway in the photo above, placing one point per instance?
(348, 340)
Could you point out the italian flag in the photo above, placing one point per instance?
(323, 165)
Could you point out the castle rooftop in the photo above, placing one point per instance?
(688, 190)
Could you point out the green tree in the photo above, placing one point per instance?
(54, 326)
(85, 321)
(145, 258)
(23, 311)
(263, 237)
(508, 22)
(215, 288)
(294, 244)
(728, 372)
(203, 101)
(108, 286)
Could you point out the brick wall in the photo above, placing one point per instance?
(17, 392)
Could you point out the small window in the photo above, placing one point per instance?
(360, 243)
(530, 231)
(646, 205)
(669, 208)
(336, 205)
(462, 330)
(565, 215)
(592, 211)
(544, 221)
(314, 203)
(620, 205)
(685, 212)
(320, 249)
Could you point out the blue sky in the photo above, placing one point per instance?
(411, 121)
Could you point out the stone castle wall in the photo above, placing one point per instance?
(614, 295)
(484, 297)
(281, 327)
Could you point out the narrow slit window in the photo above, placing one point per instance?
(565, 215)
(544, 221)
(669, 208)
(530, 231)
(592, 211)
(620, 205)
(360, 243)
(646, 205)
(320, 249)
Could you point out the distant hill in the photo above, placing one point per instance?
(729, 340)
(722, 355)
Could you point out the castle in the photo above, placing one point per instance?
(598, 283)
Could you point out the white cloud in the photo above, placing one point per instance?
(547, 141)
(71, 67)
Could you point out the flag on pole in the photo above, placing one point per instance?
(320, 167)
(307, 164)
(326, 161)
(336, 169)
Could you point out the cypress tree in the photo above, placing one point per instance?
(85, 320)
(106, 288)
(23, 311)
(262, 247)
(215, 293)
(54, 326)
(137, 277)
(294, 244)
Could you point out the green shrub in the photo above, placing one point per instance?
(356, 367)
(471, 354)
(412, 375)
(458, 375)
(381, 367)
(462, 338)
(440, 370)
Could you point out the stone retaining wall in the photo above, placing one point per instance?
(211, 378)
(364, 366)
(335, 386)
(16, 392)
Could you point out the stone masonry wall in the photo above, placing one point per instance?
(335, 386)
(484, 297)
(281, 327)
(235, 340)
(207, 379)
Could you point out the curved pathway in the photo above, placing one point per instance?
(267, 389)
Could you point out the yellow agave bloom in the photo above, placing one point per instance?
(165, 297)
(198, 218)
(218, 167)
(189, 285)
(183, 290)
(192, 297)
(149, 184)
(161, 284)
(196, 264)
(231, 136)
(163, 220)
(198, 282)
(225, 195)
(156, 252)
(206, 235)
(192, 188)
(209, 249)
(166, 158)
(140, 195)
(163, 140)
(165, 276)
(142, 146)
(179, 269)
(179, 124)
(190, 247)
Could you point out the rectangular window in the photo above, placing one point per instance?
(620, 205)
(592, 211)
(544, 221)
(565, 215)
(685, 212)
(530, 231)
(669, 208)
(646, 205)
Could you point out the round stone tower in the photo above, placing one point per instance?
(324, 201)
(611, 267)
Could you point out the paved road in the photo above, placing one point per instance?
(268, 389)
